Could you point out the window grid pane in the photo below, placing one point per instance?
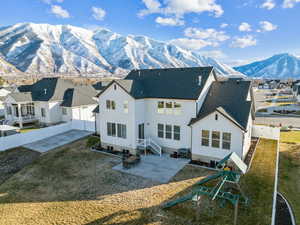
(205, 138)
(160, 107)
(176, 130)
(215, 139)
(160, 130)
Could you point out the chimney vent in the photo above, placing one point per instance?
(45, 91)
(199, 80)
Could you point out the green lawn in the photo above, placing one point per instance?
(289, 169)
(25, 130)
(72, 185)
(290, 137)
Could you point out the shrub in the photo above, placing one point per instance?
(92, 141)
(262, 110)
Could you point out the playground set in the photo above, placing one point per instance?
(227, 189)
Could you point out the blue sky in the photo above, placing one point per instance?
(234, 31)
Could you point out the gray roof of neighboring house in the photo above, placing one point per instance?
(47, 89)
(96, 110)
(173, 83)
(21, 96)
(79, 95)
(98, 86)
(230, 99)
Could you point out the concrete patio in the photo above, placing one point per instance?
(58, 140)
(156, 168)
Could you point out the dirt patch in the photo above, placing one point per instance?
(12, 161)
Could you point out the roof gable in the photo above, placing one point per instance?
(230, 99)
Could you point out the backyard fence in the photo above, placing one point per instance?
(17, 140)
(261, 131)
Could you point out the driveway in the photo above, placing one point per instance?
(156, 168)
(58, 140)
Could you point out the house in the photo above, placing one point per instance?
(50, 101)
(3, 93)
(170, 109)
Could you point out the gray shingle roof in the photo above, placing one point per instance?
(174, 83)
(230, 99)
(79, 95)
(96, 110)
(21, 96)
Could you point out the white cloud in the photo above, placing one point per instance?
(224, 25)
(268, 4)
(98, 13)
(243, 42)
(267, 26)
(169, 21)
(180, 7)
(59, 11)
(216, 54)
(52, 1)
(209, 34)
(245, 27)
(289, 3)
(191, 44)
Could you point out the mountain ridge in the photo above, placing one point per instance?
(280, 66)
(45, 48)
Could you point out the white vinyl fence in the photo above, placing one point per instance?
(266, 132)
(36, 135)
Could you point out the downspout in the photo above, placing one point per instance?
(95, 114)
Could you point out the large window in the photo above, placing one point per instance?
(169, 108)
(110, 104)
(111, 129)
(160, 107)
(169, 131)
(122, 131)
(43, 112)
(177, 108)
(226, 140)
(215, 139)
(9, 110)
(176, 130)
(125, 106)
(205, 138)
(64, 111)
(160, 130)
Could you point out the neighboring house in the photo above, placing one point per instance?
(170, 109)
(3, 93)
(50, 101)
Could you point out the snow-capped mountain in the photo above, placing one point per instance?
(44, 48)
(281, 66)
(7, 68)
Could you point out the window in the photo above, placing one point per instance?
(110, 104)
(176, 130)
(216, 117)
(64, 111)
(177, 108)
(121, 131)
(125, 106)
(160, 107)
(169, 108)
(205, 138)
(169, 131)
(43, 112)
(30, 109)
(215, 139)
(115, 87)
(160, 130)
(9, 111)
(111, 129)
(226, 140)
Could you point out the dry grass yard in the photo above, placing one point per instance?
(72, 185)
(289, 169)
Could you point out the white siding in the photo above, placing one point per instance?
(247, 136)
(118, 116)
(188, 108)
(222, 125)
